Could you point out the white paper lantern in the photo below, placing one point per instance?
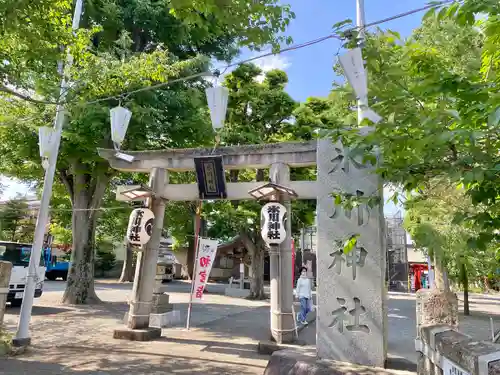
(353, 67)
(140, 226)
(120, 118)
(272, 223)
(46, 141)
(217, 98)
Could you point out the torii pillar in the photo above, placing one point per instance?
(281, 275)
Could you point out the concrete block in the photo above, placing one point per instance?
(160, 299)
(237, 293)
(475, 357)
(147, 334)
(161, 289)
(164, 320)
(435, 307)
(351, 298)
(160, 309)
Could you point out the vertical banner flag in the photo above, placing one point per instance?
(207, 250)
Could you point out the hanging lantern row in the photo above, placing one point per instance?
(217, 99)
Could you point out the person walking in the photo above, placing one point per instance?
(303, 291)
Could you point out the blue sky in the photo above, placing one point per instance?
(310, 69)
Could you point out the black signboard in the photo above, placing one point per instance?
(211, 178)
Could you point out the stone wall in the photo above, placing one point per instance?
(445, 351)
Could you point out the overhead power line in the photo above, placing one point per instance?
(283, 50)
(410, 12)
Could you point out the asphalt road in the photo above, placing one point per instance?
(401, 311)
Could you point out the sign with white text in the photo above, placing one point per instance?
(450, 368)
(207, 250)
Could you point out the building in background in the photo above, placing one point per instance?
(418, 269)
(397, 253)
(308, 238)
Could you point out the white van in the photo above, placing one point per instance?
(19, 255)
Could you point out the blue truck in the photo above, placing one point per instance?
(56, 263)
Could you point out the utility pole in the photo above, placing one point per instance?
(22, 335)
(360, 23)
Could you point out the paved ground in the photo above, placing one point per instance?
(77, 340)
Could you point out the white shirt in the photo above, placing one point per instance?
(303, 289)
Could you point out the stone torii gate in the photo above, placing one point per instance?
(351, 323)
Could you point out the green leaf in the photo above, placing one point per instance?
(430, 13)
(337, 199)
(494, 117)
(350, 243)
(339, 25)
(454, 113)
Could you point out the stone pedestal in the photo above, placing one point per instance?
(161, 304)
(434, 307)
(146, 334)
(351, 299)
(5, 271)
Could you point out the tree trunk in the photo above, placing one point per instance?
(80, 285)
(487, 284)
(128, 268)
(465, 282)
(257, 254)
(87, 193)
(440, 276)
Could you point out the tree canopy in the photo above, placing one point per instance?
(439, 112)
(17, 223)
(120, 48)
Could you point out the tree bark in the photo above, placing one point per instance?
(80, 286)
(440, 276)
(465, 282)
(257, 254)
(88, 192)
(127, 269)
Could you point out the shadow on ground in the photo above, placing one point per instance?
(111, 361)
(39, 310)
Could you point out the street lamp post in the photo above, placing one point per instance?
(22, 335)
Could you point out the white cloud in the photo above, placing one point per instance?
(270, 63)
(266, 64)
